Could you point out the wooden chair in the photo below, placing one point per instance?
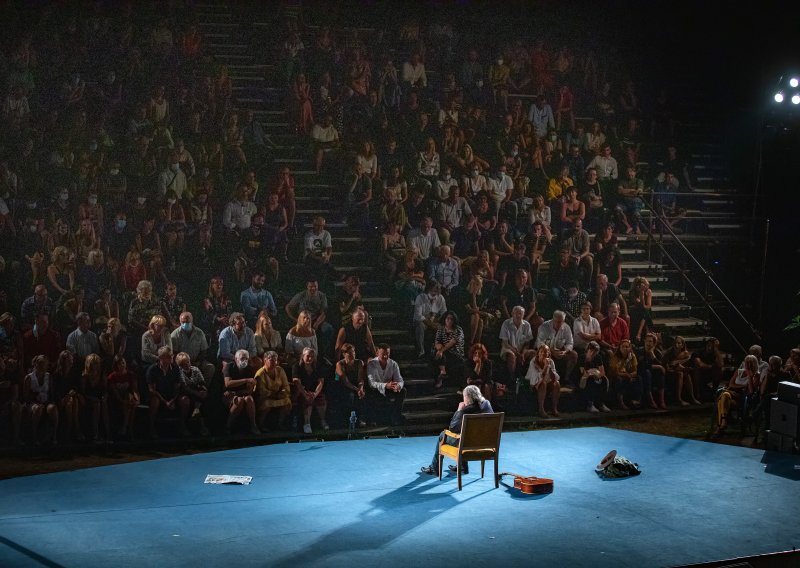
(479, 440)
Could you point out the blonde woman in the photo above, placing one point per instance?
(301, 336)
(154, 339)
(113, 341)
(267, 338)
(544, 379)
(60, 275)
(639, 308)
(624, 372)
(94, 388)
(36, 394)
(744, 381)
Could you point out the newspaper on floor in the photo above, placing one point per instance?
(229, 479)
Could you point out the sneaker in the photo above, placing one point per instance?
(428, 470)
(684, 403)
(306, 428)
(325, 426)
(604, 408)
(195, 413)
(591, 408)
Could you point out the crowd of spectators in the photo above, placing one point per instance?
(476, 175)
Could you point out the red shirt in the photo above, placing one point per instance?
(613, 334)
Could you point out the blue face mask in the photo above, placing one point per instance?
(186, 326)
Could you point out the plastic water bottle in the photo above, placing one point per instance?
(353, 422)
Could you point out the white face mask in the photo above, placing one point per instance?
(114, 171)
(63, 196)
(92, 200)
(171, 201)
(141, 200)
(243, 364)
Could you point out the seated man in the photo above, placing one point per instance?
(240, 383)
(429, 307)
(473, 403)
(192, 340)
(557, 335)
(424, 240)
(237, 336)
(164, 382)
(41, 340)
(665, 200)
(603, 295)
(579, 245)
(317, 251)
(585, 328)
(193, 386)
(385, 393)
(324, 139)
(257, 298)
(82, 342)
(613, 330)
(516, 333)
(444, 270)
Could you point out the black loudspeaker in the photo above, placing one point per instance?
(789, 392)
(779, 442)
(783, 418)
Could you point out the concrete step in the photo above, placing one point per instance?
(640, 265)
(678, 322)
(666, 308)
(428, 416)
(667, 294)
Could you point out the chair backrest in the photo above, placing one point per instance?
(481, 431)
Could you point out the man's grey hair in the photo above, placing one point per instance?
(558, 314)
(473, 393)
(242, 354)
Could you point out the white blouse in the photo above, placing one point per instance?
(536, 375)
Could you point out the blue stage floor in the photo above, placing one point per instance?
(363, 503)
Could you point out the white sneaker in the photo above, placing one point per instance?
(307, 428)
(591, 408)
(325, 426)
(604, 408)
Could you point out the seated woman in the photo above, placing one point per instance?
(744, 382)
(609, 264)
(172, 226)
(350, 377)
(410, 278)
(148, 245)
(541, 213)
(60, 275)
(676, 361)
(428, 162)
(624, 368)
(194, 391)
(593, 381)
(639, 308)
(479, 370)
(65, 390)
(132, 271)
(535, 246)
(36, 396)
(216, 307)
(448, 354)
(94, 388)
(544, 379)
(651, 371)
(124, 394)
(154, 339)
(300, 337)
(308, 382)
(272, 392)
(393, 249)
(472, 303)
(267, 338)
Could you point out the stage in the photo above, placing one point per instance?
(365, 503)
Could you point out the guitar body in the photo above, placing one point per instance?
(531, 485)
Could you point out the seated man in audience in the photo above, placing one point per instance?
(473, 403)
(452, 214)
(164, 382)
(707, 366)
(429, 307)
(41, 340)
(572, 300)
(236, 337)
(605, 294)
(318, 249)
(520, 293)
(630, 202)
(425, 240)
(315, 303)
(256, 299)
(613, 330)
(193, 386)
(585, 328)
(557, 335)
(665, 200)
(357, 334)
(516, 334)
(444, 270)
(83, 341)
(579, 245)
(385, 392)
(37, 304)
(418, 207)
(324, 139)
(509, 264)
(240, 384)
(562, 273)
(190, 339)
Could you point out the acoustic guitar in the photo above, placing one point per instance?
(531, 485)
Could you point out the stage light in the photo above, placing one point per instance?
(796, 99)
(793, 82)
(778, 97)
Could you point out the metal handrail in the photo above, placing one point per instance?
(709, 279)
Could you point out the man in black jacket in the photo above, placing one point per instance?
(473, 403)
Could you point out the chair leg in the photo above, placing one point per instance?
(483, 463)
(441, 463)
(458, 469)
(496, 475)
